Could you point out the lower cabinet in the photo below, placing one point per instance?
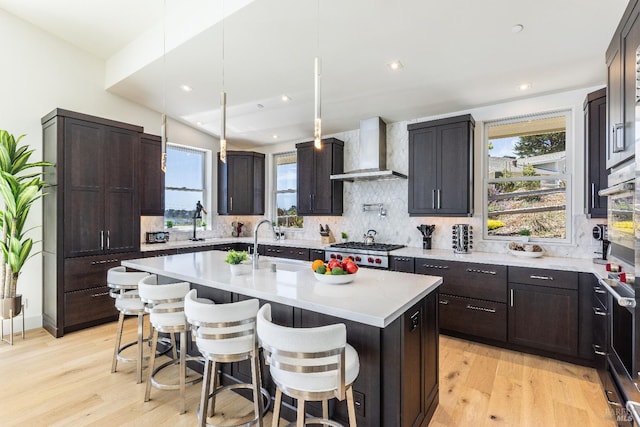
(481, 318)
(402, 263)
(287, 252)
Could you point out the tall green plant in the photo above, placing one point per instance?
(20, 186)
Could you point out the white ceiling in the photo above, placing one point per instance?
(457, 54)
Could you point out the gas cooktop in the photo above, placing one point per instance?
(380, 247)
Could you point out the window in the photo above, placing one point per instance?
(286, 194)
(185, 184)
(527, 186)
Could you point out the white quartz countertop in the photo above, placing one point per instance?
(375, 297)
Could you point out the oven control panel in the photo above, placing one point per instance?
(362, 260)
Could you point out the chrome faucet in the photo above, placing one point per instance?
(255, 240)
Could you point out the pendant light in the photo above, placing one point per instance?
(317, 74)
(163, 118)
(223, 105)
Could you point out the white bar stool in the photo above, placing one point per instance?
(309, 364)
(165, 305)
(123, 286)
(226, 333)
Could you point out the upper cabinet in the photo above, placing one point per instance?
(595, 134)
(151, 176)
(621, 87)
(441, 167)
(97, 206)
(317, 193)
(241, 185)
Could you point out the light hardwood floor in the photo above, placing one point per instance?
(67, 382)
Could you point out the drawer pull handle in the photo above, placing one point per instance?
(485, 309)
(609, 401)
(101, 294)
(599, 312)
(598, 352)
(442, 267)
(444, 302)
(541, 277)
(473, 270)
(599, 290)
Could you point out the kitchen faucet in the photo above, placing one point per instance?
(255, 240)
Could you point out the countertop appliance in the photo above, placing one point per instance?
(157, 237)
(374, 255)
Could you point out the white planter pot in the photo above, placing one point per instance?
(239, 269)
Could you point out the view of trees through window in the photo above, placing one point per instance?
(286, 194)
(184, 184)
(527, 182)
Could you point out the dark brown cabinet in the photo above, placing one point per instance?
(317, 193)
(241, 185)
(315, 254)
(441, 167)
(91, 216)
(401, 263)
(287, 252)
(621, 87)
(151, 176)
(595, 123)
(547, 299)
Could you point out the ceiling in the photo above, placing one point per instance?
(457, 54)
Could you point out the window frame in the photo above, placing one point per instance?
(206, 190)
(287, 191)
(566, 176)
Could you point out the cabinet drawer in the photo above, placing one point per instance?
(88, 306)
(287, 252)
(87, 272)
(316, 254)
(600, 296)
(544, 277)
(400, 263)
(164, 252)
(479, 318)
(471, 280)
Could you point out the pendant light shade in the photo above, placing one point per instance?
(317, 124)
(223, 127)
(163, 141)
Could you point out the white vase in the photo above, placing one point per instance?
(238, 269)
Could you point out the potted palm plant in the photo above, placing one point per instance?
(21, 185)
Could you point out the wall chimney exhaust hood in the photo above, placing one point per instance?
(372, 157)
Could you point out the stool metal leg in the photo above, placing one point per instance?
(257, 383)
(351, 407)
(206, 386)
(215, 379)
(114, 363)
(152, 361)
(325, 409)
(276, 408)
(140, 347)
(183, 370)
(300, 416)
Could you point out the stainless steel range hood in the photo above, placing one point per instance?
(372, 157)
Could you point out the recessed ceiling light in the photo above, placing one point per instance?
(525, 86)
(275, 136)
(199, 123)
(285, 98)
(395, 65)
(186, 88)
(260, 106)
(517, 28)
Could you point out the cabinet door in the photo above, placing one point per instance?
(240, 189)
(122, 206)
(151, 176)
(630, 43)
(84, 175)
(595, 119)
(423, 174)
(452, 193)
(306, 172)
(614, 102)
(322, 194)
(544, 318)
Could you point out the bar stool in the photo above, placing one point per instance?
(123, 286)
(165, 305)
(225, 333)
(309, 364)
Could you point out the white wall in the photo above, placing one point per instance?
(40, 73)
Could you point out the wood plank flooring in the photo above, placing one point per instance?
(67, 382)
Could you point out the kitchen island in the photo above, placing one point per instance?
(391, 321)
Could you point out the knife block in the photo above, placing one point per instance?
(328, 239)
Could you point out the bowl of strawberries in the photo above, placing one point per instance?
(337, 272)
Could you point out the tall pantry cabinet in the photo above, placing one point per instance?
(91, 215)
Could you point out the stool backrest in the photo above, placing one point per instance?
(222, 329)
(310, 351)
(121, 279)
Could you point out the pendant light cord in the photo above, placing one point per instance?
(163, 119)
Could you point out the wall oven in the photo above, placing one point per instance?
(620, 193)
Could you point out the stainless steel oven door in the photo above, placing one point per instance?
(620, 220)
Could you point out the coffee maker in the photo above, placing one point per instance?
(599, 233)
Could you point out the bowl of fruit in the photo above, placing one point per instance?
(337, 272)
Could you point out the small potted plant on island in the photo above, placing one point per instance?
(235, 260)
(20, 186)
